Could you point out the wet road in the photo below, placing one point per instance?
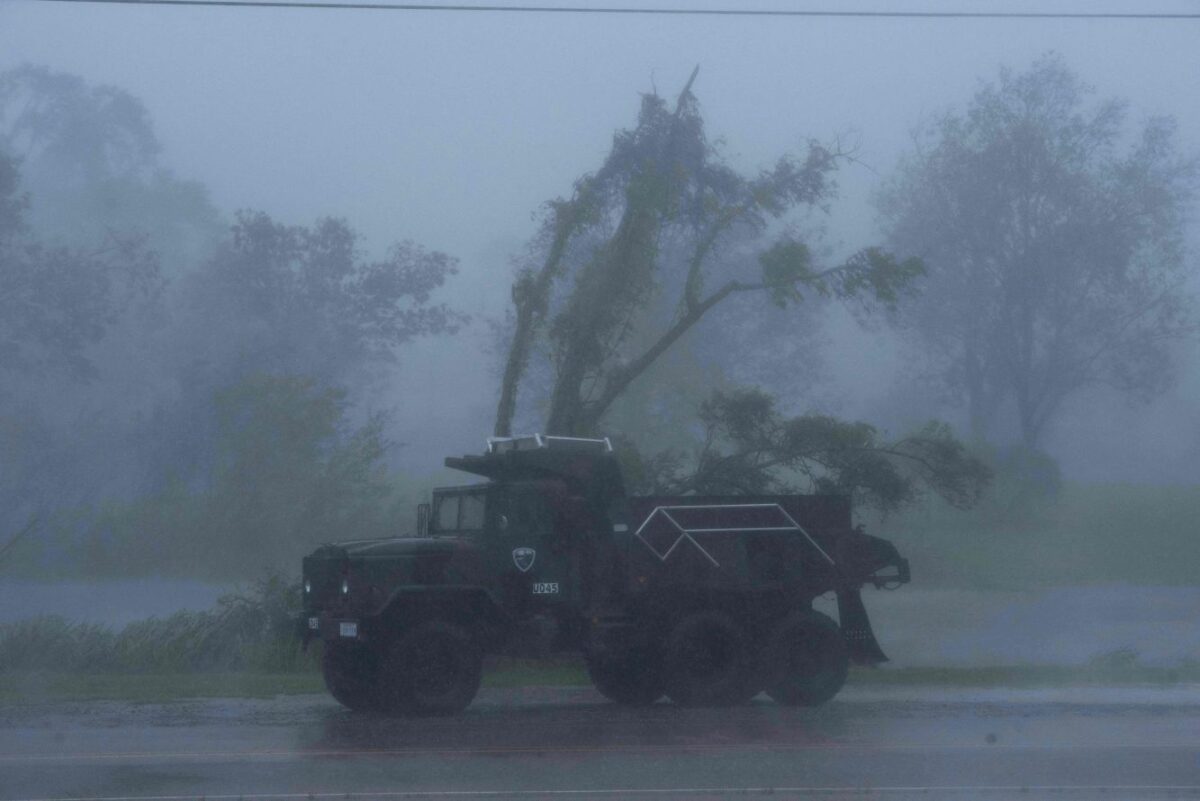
(1080, 743)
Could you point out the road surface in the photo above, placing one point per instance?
(569, 743)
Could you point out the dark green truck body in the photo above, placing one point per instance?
(552, 536)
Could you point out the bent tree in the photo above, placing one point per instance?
(666, 222)
(663, 180)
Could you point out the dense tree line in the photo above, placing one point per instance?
(179, 392)
(184, 391)
(1055, 251)
(1030, 254)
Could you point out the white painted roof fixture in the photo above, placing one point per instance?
(531, 442)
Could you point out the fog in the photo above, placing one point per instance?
(451, 130)
(262, 269)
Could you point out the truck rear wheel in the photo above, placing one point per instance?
(707, 662)
(350, 673)
(807, 660)
(632, 679)
(433, 668)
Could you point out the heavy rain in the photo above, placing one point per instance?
(684, 399)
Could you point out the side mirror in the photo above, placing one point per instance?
(422, 520)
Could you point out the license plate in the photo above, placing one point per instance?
(314, 623)
(545, 588)
(348, 629)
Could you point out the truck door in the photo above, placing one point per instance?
(534, 550)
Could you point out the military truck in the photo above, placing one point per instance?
(705, 600)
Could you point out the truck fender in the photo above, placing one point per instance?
(469, 604)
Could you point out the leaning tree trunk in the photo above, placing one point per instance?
(603, 290)
(531, 296)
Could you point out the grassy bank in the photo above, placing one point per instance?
(1028, 676)
(252, 632)
(22, 688)
(52, 687)
(1091, 534)
(1088, 534)
(55, 685)
(27, 687)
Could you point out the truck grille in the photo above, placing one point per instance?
(323, 578)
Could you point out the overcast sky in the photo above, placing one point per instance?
(451, 129)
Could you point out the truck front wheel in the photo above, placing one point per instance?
(433, 668)
(807, 660)
(350, 673)
(633, 678)
(707, 662)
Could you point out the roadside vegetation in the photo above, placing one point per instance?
(42, 687)
(185, 394)
(1085, 534)
(246, 647)
(245, 632)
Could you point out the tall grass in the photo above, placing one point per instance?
(1090, 534)
(252, 631)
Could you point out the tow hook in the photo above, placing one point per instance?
(891, 581)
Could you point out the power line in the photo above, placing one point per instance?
(676, 12)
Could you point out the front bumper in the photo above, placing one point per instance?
(330, 628)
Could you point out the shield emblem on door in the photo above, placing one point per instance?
(523, 558)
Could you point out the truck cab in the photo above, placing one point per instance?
(528, 533)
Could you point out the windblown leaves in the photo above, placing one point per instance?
(750, 448)
(650, 243)
(252, 630)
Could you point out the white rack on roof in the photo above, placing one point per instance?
(533, 442)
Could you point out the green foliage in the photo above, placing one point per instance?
(750, 448)
(151, 410)
(22, 688)
(288, 476)
(877, 275)
(1101, 672)
(1087, 534)
(1056, 255)
(92, 158)
(100, 129)
(56, 302)
(255, 630)
(652, 242)
(786, 266)
(647, 473)
(305, 300)
(12, 203)
(90, 236)
(870, 275)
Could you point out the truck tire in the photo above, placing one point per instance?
(631, 679)
(706, 661)
(807, 660)
(432, 668)
(351, 673)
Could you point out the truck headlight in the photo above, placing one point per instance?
(307, 587)
(345, 586)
